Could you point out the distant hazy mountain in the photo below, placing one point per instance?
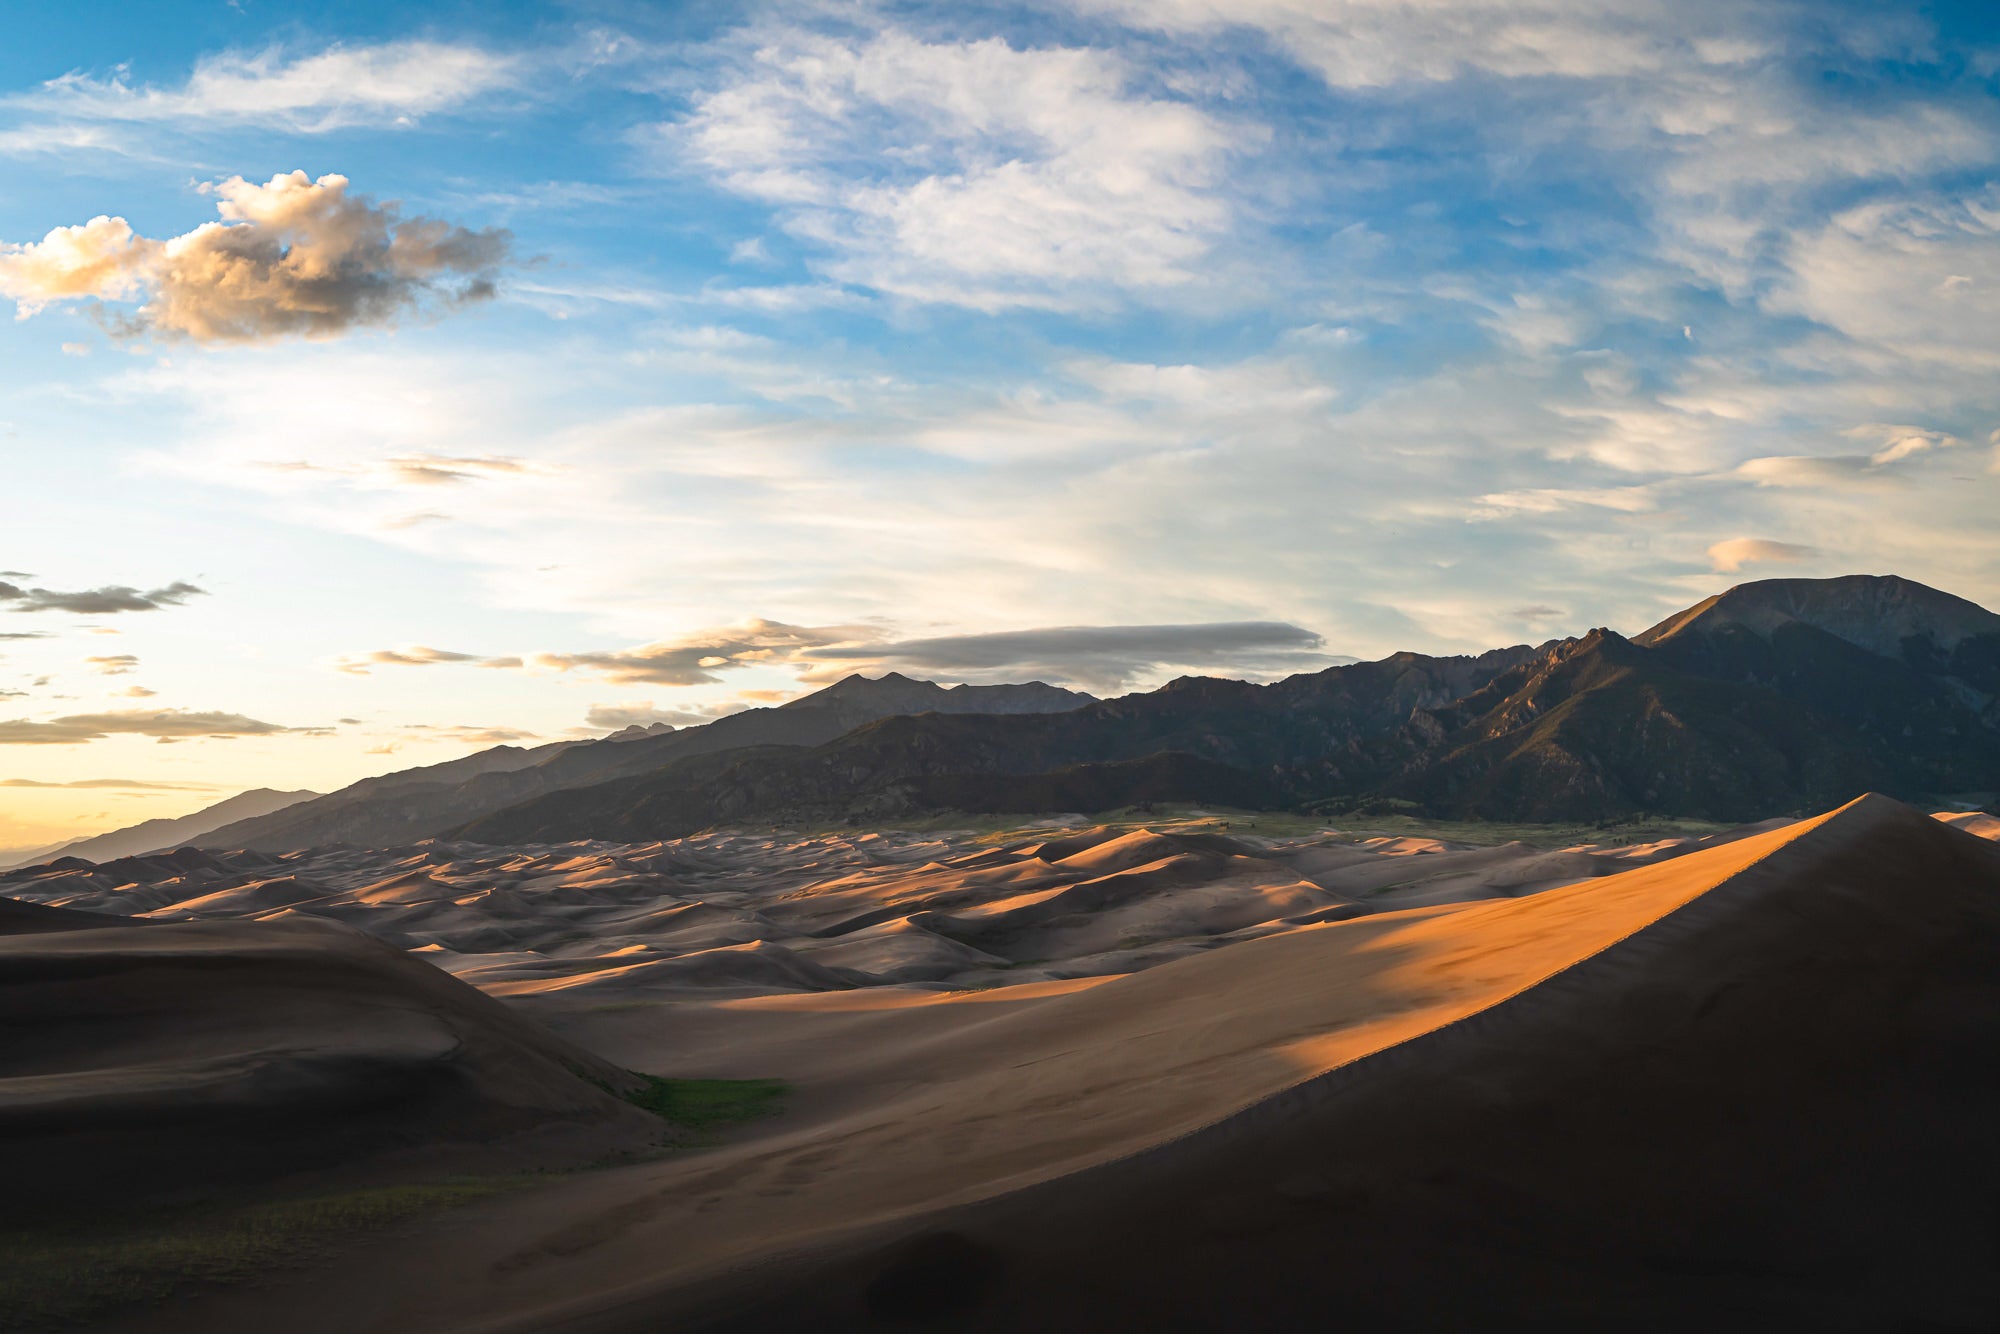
(159, 835)
(415, 804)
(1771, 698)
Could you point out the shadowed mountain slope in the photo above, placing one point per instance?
(420, 803)
(1772, 699)
(1306, 733)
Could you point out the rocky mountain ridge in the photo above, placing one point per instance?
(1772, 698)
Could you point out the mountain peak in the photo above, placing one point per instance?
(857, 687)
(639, 731)
(1879, 613)
(893, 693)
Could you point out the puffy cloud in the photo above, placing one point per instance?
(95, 601)
(113, 664)
(103, 258)
(1732, 555)
(968, 172)
(163, 724)
(291, 256)
(1099, 656)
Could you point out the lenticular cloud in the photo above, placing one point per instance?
(292, 256)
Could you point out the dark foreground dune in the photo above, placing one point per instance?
(1749, 1088)
(144, 1062)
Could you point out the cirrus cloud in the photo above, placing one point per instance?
(974, 173)
(411, 655)
(113, 784)
(340, 86)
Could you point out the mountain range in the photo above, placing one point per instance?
(415, 804)
(1771, 698)
(158, 835)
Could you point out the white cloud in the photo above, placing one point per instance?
(1375, 43)
(974, 173)
(1732, 555)
(1552, 499)
(1915, 276)
(328, 90)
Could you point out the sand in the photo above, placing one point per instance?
(146, 1064)
(1745, 1086)
(703, 919)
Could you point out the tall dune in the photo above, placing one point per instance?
(1751, 1087)
(146, 1062)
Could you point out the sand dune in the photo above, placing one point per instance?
(147, 1061)
(753, 914)
(1746, 1087)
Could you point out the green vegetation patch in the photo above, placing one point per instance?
(707, 1104)
(54, 1277)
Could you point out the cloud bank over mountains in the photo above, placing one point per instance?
(1096, 657)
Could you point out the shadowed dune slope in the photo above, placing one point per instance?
(1753, 1087)
(143, 1061)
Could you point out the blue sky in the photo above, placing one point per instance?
(517, 372)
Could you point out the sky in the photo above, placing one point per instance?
(384, 382)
